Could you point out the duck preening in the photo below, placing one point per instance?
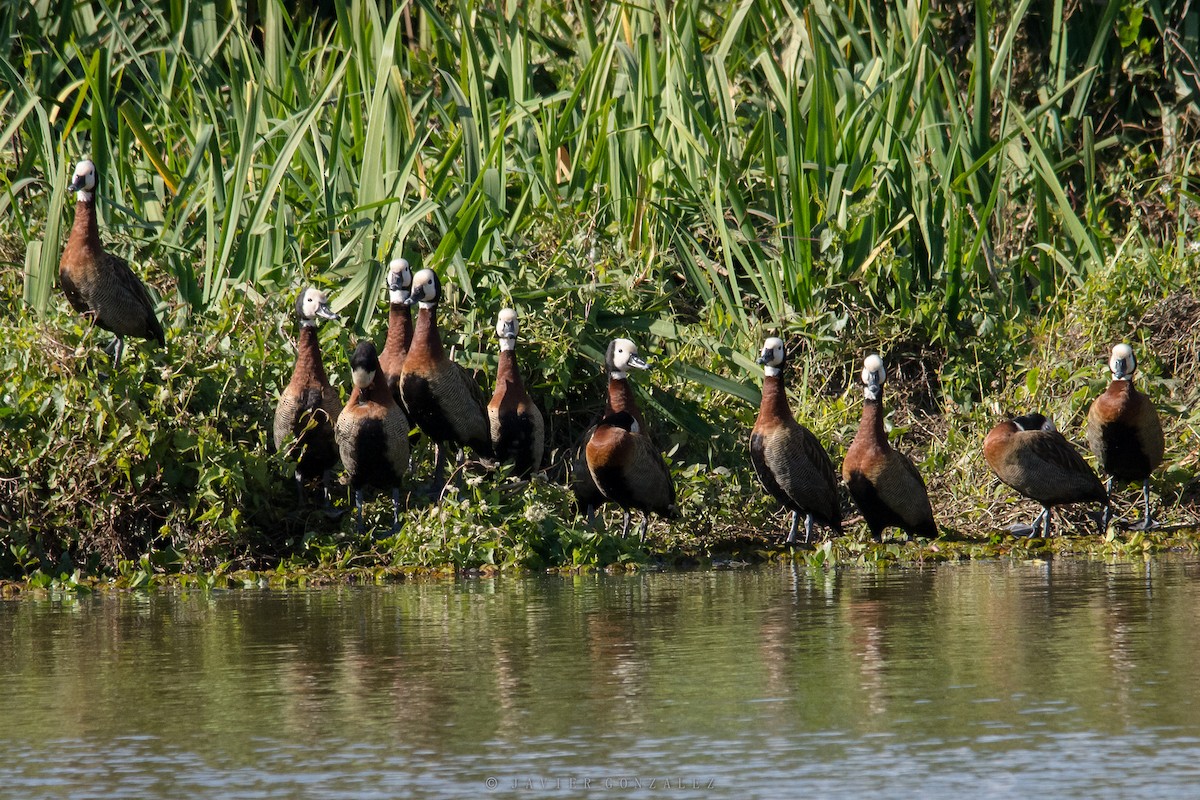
(99, 284)
(1030, 455)
(309, 406)
(516, 425)
(789, 461)
(372, 433)
(628, 470)
(400, 325)
(1124, 433)
(440, 396)
(621, 356)
(884, 483)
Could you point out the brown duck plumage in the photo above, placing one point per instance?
(97, 283)
(621, 355)
(516, 426)
(629, 471)
(309, 406)
(884, 483)
(372, 431)
(1123, 429)
(440, 396)
(791, 464)
(1029, 455)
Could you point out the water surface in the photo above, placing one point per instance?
(1071, 679)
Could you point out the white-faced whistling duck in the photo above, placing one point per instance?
(1030, 455)
(400, 325)
(372, 433)
(308, 405)
(99, 284)
(516, 424)
(621, 356)
(790, 462)
(629, 470)
(884, 483)
(1123, 430)
(440, 396)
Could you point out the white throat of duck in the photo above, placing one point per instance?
(84, 196)
(307, 323)
(508, 343)
(362, 377)
(772, 372)
(398, 297)
(873, 391)
(618, 375)
(425, 304)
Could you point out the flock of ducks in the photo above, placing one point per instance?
(412, 384)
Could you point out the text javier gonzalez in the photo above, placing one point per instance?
(615, 783)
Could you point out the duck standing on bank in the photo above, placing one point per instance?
(1030, 455)
(1124, 433)
(400, 325)
(621, 356)
(788, 459)
(372, 433)
(517, 430)
(98, 284)
(440, 396)
(884, 482)
(309, 406)
(628, 470)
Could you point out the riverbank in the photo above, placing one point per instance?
(153, 572)
(608, 174)
(166, 462)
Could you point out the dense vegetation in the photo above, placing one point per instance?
(989, 194)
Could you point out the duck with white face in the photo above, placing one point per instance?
(400, 325)
(885, 484)
(98, 284)
(620, 357)
(441, 397)
(790, 463)
(1124, 431)
(309, 405)
(516, 426)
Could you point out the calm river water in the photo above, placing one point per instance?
(1069, 679)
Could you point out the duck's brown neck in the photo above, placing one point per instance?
(774, 399)
(870, 427)
(620, 398)
(308, 355)
(508, 371)
(400, 329)
(426, 335)
(85, 228)
(1121, 388)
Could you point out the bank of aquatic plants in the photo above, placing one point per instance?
(991, 194)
